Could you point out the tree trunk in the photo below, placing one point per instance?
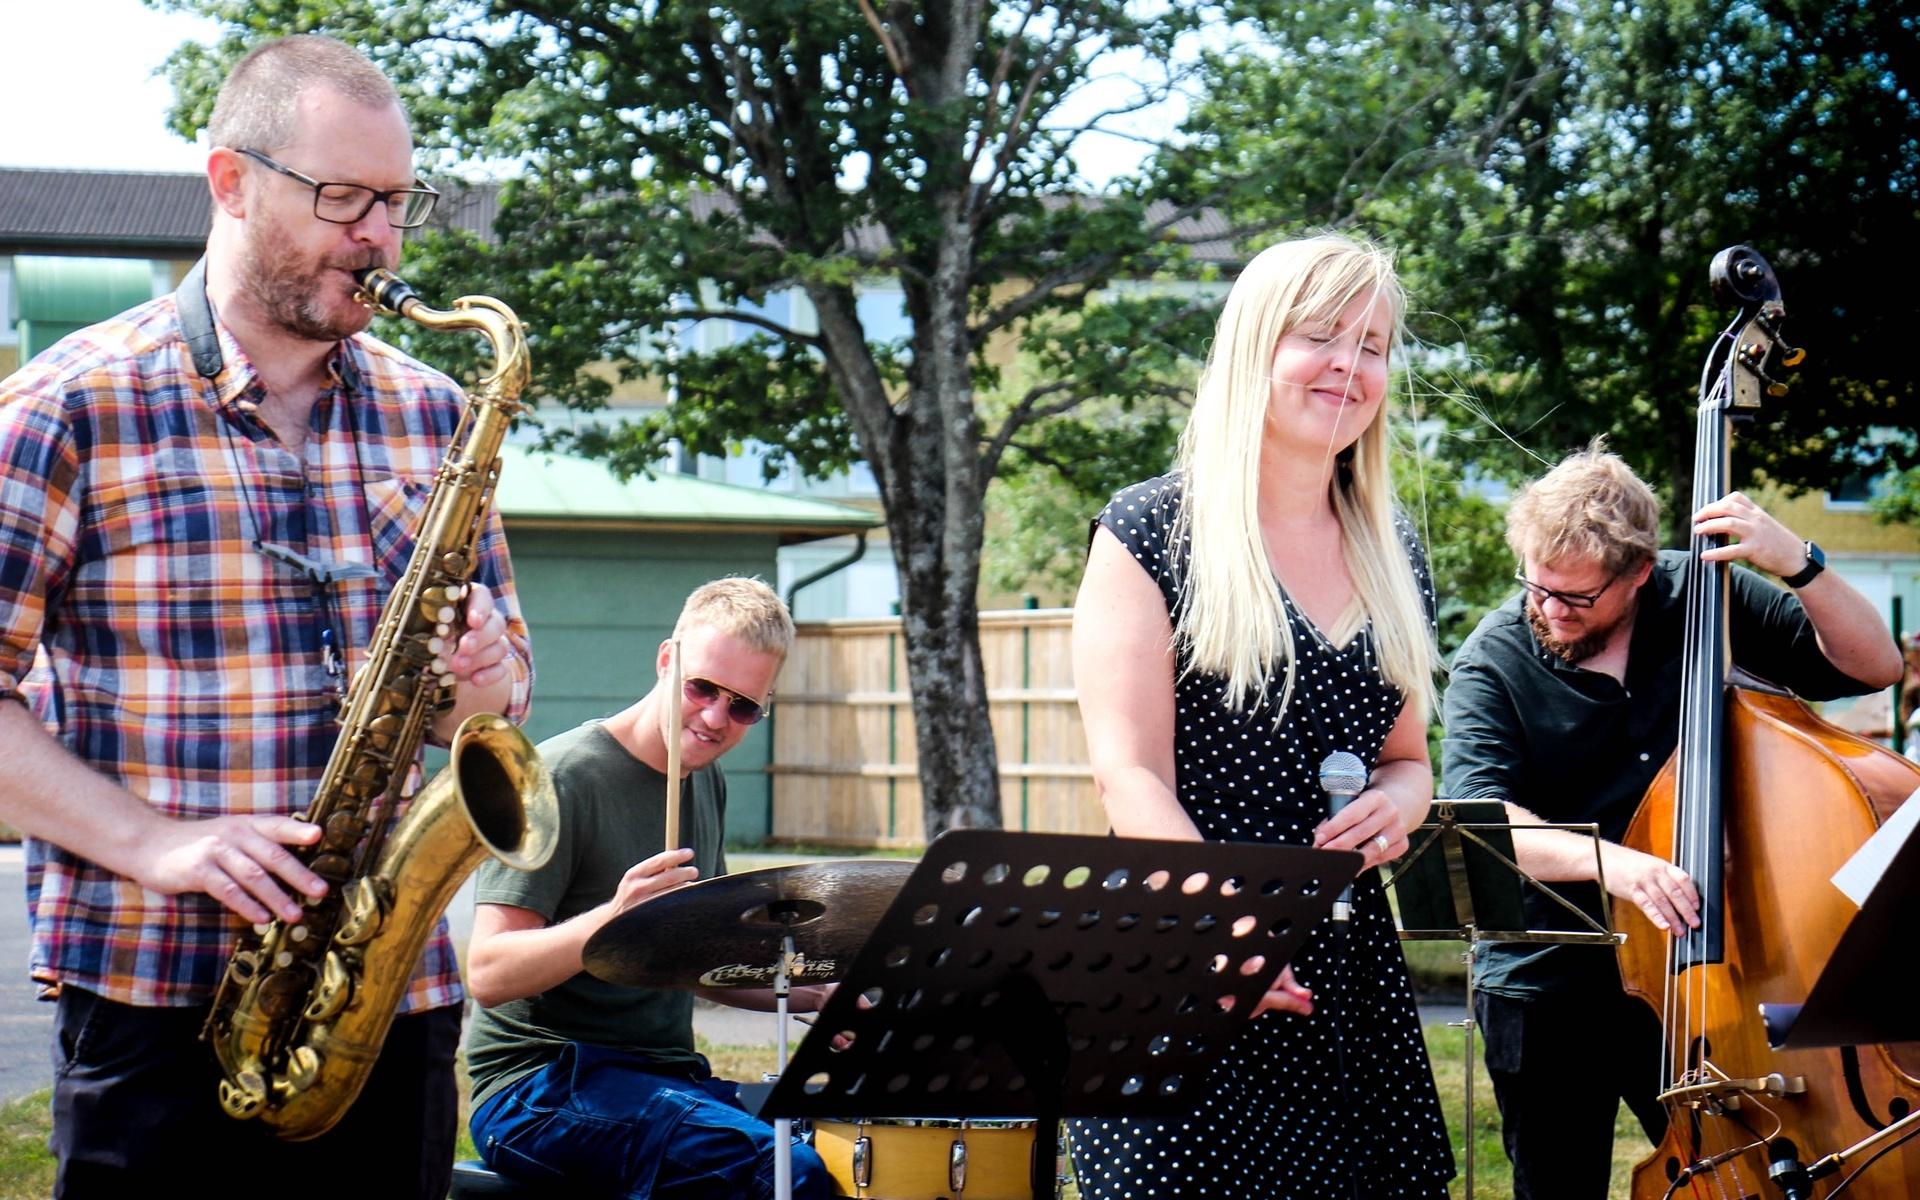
(937, 535)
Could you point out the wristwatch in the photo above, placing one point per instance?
(1816, 563)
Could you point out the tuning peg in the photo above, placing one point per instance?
(1770, 318)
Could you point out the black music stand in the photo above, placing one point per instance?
(1459, 882)
(1053, 975)
(1852, 1003)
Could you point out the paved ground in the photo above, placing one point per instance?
(26, 1025)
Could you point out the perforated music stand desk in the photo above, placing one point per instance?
(1853, 1003)
(1043, 975)
(1458, 881)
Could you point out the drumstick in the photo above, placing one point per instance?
(670, 721)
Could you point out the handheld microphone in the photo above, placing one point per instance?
(1342, 777)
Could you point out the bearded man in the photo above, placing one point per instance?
(206, 502)
(1564, 703)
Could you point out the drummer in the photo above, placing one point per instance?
(590, 1082)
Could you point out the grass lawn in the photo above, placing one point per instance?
(26, 1170)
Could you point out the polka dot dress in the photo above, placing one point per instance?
(1279, 1119)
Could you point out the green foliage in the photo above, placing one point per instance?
(1563, 174)
(1901, 502)
(1634, 143)
(673, 163)
(1463, 530)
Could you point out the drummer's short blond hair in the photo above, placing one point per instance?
(1590, 508)
(740, 607)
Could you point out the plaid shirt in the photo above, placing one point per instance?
(179, 662)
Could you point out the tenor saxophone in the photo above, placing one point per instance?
(304, 1006)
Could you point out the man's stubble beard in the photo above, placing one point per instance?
(288, 290)
(1579, 649)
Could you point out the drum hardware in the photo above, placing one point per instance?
(782, 987)
(939, 1158)
(722, 932)
(715, 934)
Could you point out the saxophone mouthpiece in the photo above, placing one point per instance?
(382, 290)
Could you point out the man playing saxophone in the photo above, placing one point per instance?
(206, 501)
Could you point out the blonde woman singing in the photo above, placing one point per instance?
(1240, 619)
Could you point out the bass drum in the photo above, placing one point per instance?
(927, 1158)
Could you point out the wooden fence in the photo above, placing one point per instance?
(843, 740)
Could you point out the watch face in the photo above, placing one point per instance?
(1814, 556)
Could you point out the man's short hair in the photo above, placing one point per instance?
(1590, 508)
(742, 608)
(258, 106)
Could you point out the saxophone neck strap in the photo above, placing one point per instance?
(196, 321)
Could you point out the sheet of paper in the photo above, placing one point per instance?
(1870, 861)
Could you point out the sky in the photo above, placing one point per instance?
(79, 90)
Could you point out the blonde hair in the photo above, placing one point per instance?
(741, 608)
(259, 105)
(1590, 508)
(1232, 620)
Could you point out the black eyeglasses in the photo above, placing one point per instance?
(1570, 599)
(705, 691)
(348, 203)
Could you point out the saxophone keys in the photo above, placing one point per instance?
(303, 1069)
(243, 1096)
(363, 915)
(245, 964)
(334, 868)
(281, 993)
(343, 832)
(336, 988)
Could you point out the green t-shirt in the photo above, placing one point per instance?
(612, 815)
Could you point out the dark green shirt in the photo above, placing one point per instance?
(612, 815)
(1578, 746)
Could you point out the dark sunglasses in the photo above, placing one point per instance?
(1570, 599)
(705, 691)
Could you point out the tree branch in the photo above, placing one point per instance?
(745, 318)
(895, 58)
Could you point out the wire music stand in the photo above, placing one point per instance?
(1460, 882)
(1054, 975)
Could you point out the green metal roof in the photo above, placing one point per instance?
(562, 490)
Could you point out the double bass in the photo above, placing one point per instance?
(1761, 803)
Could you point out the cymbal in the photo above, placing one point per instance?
(727, 932)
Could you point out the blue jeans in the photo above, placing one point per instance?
(605, 1124)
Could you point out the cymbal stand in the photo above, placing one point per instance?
(783, 1126)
